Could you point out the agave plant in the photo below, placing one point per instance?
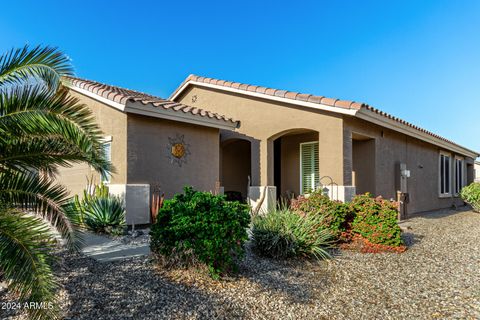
(100, 211)
(41, 128)
(105, 215)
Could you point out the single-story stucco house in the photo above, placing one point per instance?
(255, 140)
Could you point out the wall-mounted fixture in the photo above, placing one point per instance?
(405, 173)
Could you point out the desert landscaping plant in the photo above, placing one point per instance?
(200, 226)
(375, 219)
(336, 215)
(41, 128)
(471, 195)
(283, 233)
(99, 211)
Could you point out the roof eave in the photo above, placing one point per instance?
(318, 106)
(362, 113)
(157, 112)
(150, 110)
(383, 121)
(116, 105)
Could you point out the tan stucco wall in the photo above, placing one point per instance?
(149, 151)
(476, 172)
(113, 123)
(420, 157)
(363, 166)
(263, 120)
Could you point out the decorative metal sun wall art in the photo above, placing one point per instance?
(178, 150)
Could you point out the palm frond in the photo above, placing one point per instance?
(38, 194)
(45, 153)
(58, 123)
(45, 64)
(26, 246)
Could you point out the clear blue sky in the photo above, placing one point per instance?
(419, 60)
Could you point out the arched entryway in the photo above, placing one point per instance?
(295, 162)
(235, 167)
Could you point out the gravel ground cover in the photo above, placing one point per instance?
(437, 278)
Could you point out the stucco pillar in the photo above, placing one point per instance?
(263, 194)
(347, 157)
(335, 161)
(266, 162)
(330, 155)
(255, 162)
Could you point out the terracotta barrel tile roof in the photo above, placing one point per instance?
(302, 96)
(331, 102)
(291, 95)
(389, 116)
(314, 99)
(260, 89)
(122, 96)
(275, 92)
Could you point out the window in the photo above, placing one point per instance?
(107, 151)
(459, 175)
(309, 176)
(445, 174)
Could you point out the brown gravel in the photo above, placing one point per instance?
(437, 278)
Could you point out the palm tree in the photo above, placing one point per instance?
(41, 128)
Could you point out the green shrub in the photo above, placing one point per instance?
(336, 214)
(100, 211)
(471, 195)
(376, 220)
(203, 226)
(283, 233)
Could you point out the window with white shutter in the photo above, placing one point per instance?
(309, 176)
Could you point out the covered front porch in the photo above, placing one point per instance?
(283, 166)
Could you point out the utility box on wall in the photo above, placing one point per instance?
(137, 201)
(401, 177)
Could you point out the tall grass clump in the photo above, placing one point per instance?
(282, 233)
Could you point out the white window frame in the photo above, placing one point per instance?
(462, 176)
(450, 184)
(107, 141)
(301, 161)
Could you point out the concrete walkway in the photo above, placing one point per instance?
(104, 249)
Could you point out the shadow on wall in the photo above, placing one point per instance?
(239, 159)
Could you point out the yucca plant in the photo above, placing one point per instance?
(282, 233)
(41, 128)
